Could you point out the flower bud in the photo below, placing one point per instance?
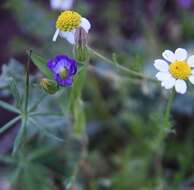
(80, 48)
(50, 86)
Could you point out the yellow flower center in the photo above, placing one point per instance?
(63, 73)
(68, 20)
(180, 70)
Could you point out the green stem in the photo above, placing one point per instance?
(168, 109)
(22, 131)
(127, 70)
(82, 157)
(27, 84)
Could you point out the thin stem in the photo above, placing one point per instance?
(168, 108)
(127, 70)
(82, 158)
(20, 138)
(27, 84)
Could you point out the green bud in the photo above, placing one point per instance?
(80, 49)
(81, 53)
(50, 86)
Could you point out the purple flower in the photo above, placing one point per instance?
(185, 3)
(63, 68)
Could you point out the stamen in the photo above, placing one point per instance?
(180, 70)
(63, 73)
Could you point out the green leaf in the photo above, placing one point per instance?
(77, 87)
(40, 152)
(15, 175)
(41, 63)
(37, 103)
(19, 137)
(79, 117)
(15, 93)
(9, 107)
(9, 124)
(76, 104)
(44, 131)
(7, 159)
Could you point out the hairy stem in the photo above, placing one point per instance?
(168, 109)
(122, 68)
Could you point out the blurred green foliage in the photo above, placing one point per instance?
(123, 116)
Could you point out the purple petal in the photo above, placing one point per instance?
(63, 62)
(64, 82)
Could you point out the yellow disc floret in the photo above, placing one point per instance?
(68, 20)
(180, 70)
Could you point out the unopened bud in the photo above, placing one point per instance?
(80, 48)
(50, 86)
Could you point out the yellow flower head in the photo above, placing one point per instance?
(68, 20)
(180, 70)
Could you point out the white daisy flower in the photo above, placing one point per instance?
(61, 4)
(67, 24)
(175, 69)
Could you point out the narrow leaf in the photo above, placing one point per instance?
(79, 116)
(9, 107)
(19, 137)
(9, 124)
(41, 63)
(15, 93)
(44, 131)
(77, 87)
(7, 159)
(37, 103)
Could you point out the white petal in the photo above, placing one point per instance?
(54, 4)
(61, 4)
(169, 56)
(192, 72)
(85, 24)
(161, 65)
(162, 76)
(181, 86)
(181, 54)
(169, 83)
(191, 79)
(69, 36)
(190, 61)
(66, 4)
(56, 35)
